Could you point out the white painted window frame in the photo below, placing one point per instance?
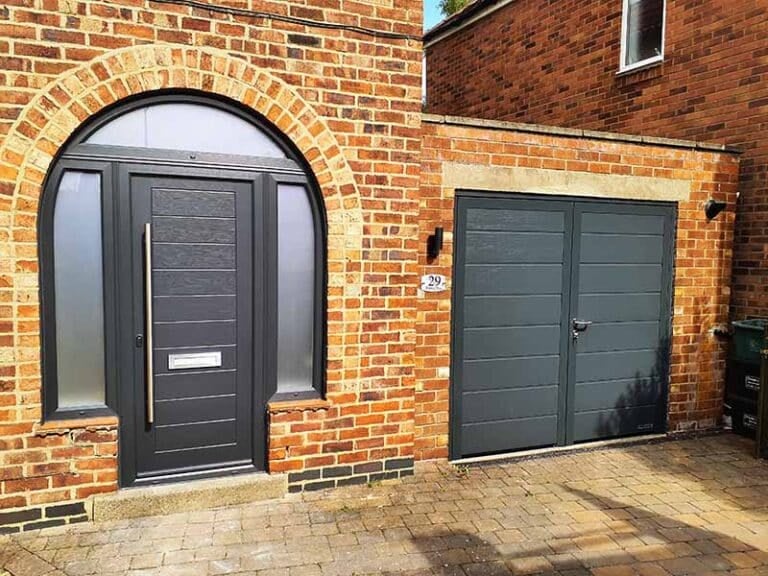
(623, 66)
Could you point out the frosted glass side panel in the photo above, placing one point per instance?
(295, 288)
(189, 127)
(79, 291)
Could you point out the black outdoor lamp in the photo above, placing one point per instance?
(712, 208)
(435, 243)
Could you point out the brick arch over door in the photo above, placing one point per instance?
(50, 119)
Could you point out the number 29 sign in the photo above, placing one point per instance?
(433, 283)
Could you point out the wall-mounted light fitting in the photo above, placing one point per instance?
(435, 243)
(712, 208)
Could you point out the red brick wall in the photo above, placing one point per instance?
(555, 63)
(702, 257)
(351, 104)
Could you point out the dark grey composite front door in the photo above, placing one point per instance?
(192, 257)
(561, 321)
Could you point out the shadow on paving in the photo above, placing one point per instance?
(621, 540)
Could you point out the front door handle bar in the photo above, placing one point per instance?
(149, 348)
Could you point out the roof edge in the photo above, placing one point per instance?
(471, 13)
(578, 133)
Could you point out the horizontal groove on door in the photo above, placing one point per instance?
(170, 202)
(620, 307)
(623, 336)
(193, 256)
(614, 365)
(197, 435)
(510, 372)
(511, 342)
(522, 310)
(514, 248)
(180, 334)
(511, 279)
(189, 230)
(178, 386)
(496, 405)
(490, 437)
(515, 221)
(626, 224)
(612, 278)
(615, 248)
(196, 409)
(625, 393)
(200, 282)
(182, 308)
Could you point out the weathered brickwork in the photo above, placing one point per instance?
(556, 63)
(350, 102)
(702, 255)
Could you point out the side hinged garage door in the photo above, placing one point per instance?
(561, 321)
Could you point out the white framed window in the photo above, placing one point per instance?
(642, 33)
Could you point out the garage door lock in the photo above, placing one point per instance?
(579, 326)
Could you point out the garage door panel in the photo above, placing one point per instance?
(620, 307)
(511, 342)
(613, 423)
(619, 278)
(621, 248)
(615, 365)
(510, 373)
(528, 267)
(512, 279)
(609, 394)
(511, 310)
(607, 223)
(515, 220)
(507, 435)
(493, 405)
(604, 337)
(513, 247)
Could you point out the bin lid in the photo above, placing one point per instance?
(756, 324)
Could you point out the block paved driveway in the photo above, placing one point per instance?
(683, 507)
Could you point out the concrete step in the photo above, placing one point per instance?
(188, 496)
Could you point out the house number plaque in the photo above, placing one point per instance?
(433, 283)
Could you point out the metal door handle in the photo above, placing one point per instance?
(149, 348)
(579, 326)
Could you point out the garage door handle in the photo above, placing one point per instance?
(580, 326)
(149, 348)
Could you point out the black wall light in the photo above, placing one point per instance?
(712, 208)
(435, 243)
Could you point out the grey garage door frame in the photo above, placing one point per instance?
(556, 421)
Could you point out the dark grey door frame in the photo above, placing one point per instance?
(131, 414)
(463, 198)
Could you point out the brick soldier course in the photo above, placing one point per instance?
(531, 61)
(350, 103)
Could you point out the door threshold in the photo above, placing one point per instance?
(188, 496)
(559, 450)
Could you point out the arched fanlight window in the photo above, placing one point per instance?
(82, 231)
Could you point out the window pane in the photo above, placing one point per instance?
(296, 289)
(189, 127)
(644, 30)
(79, 292)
